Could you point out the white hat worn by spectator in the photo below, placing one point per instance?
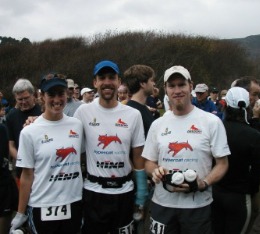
(201, 88)
(238, 98)
(85, 90)
(70, 83)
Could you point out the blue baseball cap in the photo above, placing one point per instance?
(105, 63)
(46, 84)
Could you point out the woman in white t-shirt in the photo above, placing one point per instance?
(49, 153)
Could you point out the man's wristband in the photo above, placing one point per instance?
(205, 186)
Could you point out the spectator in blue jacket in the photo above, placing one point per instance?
(213, 96)
(201, 100)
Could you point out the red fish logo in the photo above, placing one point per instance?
(193, 128)
(64, 153)
(106, 140)
(176, 147)
(72, 132)
(120, 121)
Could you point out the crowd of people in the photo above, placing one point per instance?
(106, 159)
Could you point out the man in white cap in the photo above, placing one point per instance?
(72, 104)
(87, 95)
(201, 100)
(187, 138)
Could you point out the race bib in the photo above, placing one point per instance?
(128, 229)
(55, 213)
(156, 227)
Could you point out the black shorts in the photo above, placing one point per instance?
(105, 213)
(165, 220)
(66, 226)
(8, 197)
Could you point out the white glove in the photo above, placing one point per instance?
(17, 221)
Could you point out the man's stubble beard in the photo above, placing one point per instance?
(107, 97)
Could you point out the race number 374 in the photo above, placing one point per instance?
(55, 213)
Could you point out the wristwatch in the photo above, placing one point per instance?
(205, 186)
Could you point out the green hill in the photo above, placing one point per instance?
(251, 44)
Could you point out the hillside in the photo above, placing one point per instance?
(209, 60)
(251, 44)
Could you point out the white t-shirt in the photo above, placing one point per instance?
(53, 149)
(186, 142)
(110, 133)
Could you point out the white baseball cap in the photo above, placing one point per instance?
(85, 90)
(201, 88)
(177, 69)
(237, 98)
(70, 83)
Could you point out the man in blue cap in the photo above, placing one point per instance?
(112, 131)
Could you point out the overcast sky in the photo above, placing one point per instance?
(38, 20)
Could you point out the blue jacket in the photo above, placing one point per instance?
(207, 105)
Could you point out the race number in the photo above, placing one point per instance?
(156, 227)
(128, 229)
(55, 213)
